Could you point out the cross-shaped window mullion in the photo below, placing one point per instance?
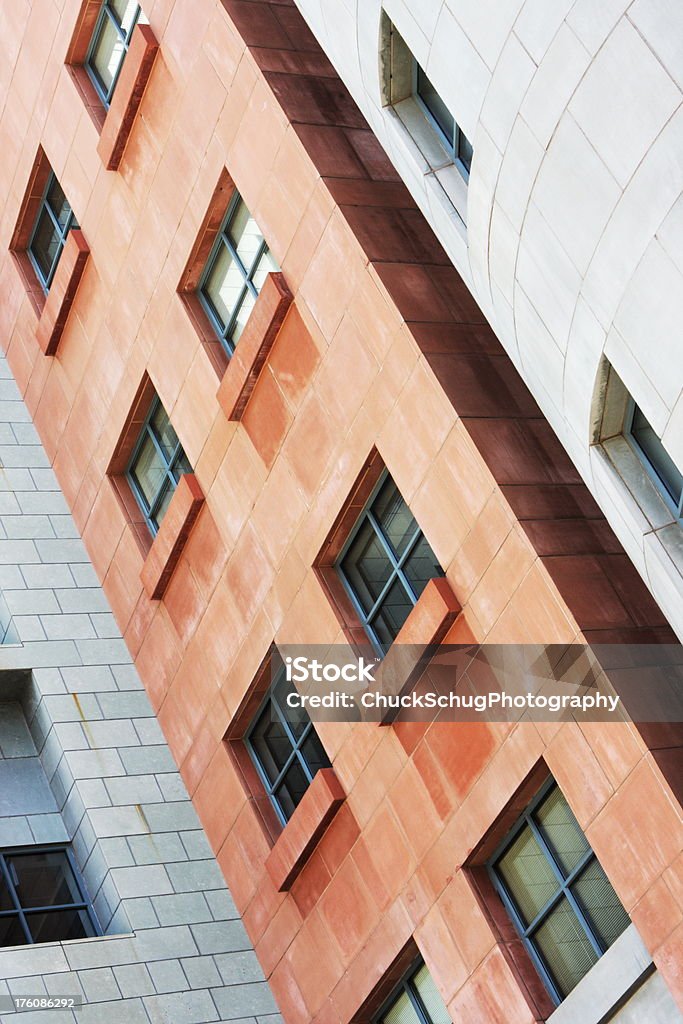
(564, 882)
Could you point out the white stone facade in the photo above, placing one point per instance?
(572, 237)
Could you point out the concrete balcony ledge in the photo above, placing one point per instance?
(167, 546)
(62, 292)
(255, 343)
(137, 67)
(293, 847)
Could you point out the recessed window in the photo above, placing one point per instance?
(54, 221)
(285, 749)
(453, 138)
(386, 564)
(157, 463)
(556, 892)
(109, 44)
(415, 1000)
(659, 463)
(234, 274)
(41, 898)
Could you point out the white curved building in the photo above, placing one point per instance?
(569, 231)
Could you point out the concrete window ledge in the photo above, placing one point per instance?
(615, 976)
(255, 343)
(62, 292)
(137, 67)
(173, 534)
(435, 612)
(296, 842)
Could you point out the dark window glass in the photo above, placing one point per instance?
(54, 221)
(285, 749)
(157, 464)
(386, 564)
(109, 44)
(415, 1000)
(653, 452)
(234, 273)
(452, 136)
(41, 898)
(558, 895)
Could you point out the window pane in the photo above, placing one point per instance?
(395, 518)
(43, 879)
(313, 752)
(435, 105)
(367, 566)
(561, 829)
(271, 743)
(600, 903)
(245, 235)
(224, 285)
(126, 11)
(107, 54)
(164, 432)
(149, 471)
(421, 566)
(430, 996)
(657, 456)
(181, 465)
(45, 243)
(264, 266)
(465, 151)
(528, 876)
(6, 902)
(58, 203)
(167, 494)
(11, 932)
(59, 925)
(565, 947)
(246, 306)
(291, 789)
(401, 1012)
(394, 611)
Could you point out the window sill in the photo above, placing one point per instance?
(435, 612)
(59, 299)
(135, 73)
(301, 834)
(610, 981)
(173, 534)
(428, 151)
(254, 345)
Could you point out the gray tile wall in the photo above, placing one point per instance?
(82, 758)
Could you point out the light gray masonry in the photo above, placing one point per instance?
(83, 760)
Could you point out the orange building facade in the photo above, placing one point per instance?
(364, 352)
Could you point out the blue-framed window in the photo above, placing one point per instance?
(657, 460)
(285, 749)
(385, 564)
(415, 1000)
(234, 274)
(42, 897)
(109, 44)
(557, 894)
(54, 222)
(156, 465)
(452, 136)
